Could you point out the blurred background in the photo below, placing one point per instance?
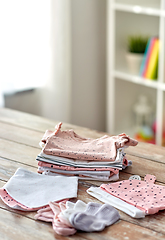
(53, 59)
(69, 60)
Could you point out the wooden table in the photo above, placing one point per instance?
(20, 134)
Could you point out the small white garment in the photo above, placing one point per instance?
(72, 208)
(36, 190)
(114, 177)
(85, 173)
(115, 202)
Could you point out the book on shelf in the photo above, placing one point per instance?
(149, 66)
(146, 57)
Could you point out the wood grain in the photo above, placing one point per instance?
(18, 152)
(149, 223)
(19, 137)
(21, 153)
(148, 151)
(8, 168)
(37, 123)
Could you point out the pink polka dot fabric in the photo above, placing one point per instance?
(145, 195)
(30, 191)
(11, 202)
(70, 145)
(81, 173)
(44, 164)
(67, 153)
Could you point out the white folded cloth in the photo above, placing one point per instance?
(115, 202)
(36, 190)
(96, 177)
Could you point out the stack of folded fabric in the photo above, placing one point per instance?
(68, 217)
(66, 153)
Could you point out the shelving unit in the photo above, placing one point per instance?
(127, 17)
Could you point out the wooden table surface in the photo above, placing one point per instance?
(20, 134)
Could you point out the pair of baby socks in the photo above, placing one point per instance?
(68, 217)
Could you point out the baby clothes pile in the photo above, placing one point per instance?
(29, 191)
(68, 217)
(66, 153)
(134, 197)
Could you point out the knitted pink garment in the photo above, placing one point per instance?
(144, 195)
(70, 145)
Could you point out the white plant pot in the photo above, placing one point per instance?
(134, 61)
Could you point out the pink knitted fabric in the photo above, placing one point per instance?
(70, 145)
(144, 195)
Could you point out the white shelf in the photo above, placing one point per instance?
(138, 9)
(139, 80)
(126, 25)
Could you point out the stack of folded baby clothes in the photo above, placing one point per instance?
(66, 153)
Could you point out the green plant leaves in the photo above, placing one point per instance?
(137, 43)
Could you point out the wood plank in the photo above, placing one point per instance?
(24, 136)
(153, 224)
(28, 136)
(18, 152)
(26, 120)
(2, 183)
(38, 123)
(32, 122)
(124, 231)
(8, 168)
(148, 151)
(27, 155)
(15, 227)
(142, 167)
(20, 135)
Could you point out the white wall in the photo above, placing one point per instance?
(88, 63)
(75, 88)
(56, 95)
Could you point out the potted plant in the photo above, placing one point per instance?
(136, 45)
